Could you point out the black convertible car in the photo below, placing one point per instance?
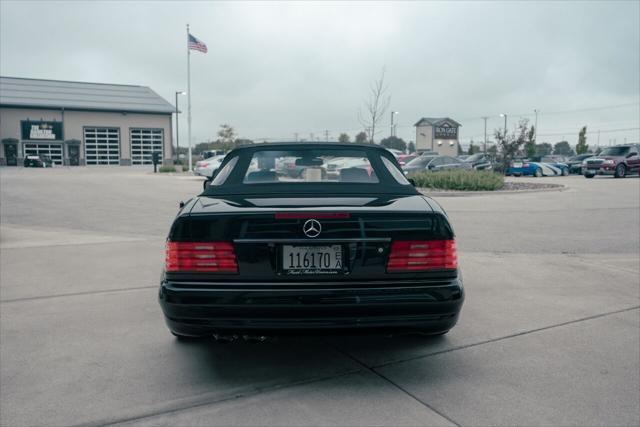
(261, 252)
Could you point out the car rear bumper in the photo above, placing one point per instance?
(202, 309)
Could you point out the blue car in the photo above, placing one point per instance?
(537, 169)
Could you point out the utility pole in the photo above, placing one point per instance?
(311, 136)
(598, 143)
(485, 134)
(295, 137)
(326, 136)
(535, 130)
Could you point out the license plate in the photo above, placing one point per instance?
(312, 259)
(517, 164)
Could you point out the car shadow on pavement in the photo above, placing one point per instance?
(297, 358)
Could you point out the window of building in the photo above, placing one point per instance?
(102, 146)
(143, 143)
(50, 151)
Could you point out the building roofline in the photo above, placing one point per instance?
(72, 81)
(48, 107)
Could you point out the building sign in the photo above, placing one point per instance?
(445, 131)
(51, 131)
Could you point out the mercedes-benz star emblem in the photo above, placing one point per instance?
(312, 228)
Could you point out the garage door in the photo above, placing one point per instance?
(143, 143)
(102, 146)
(52, 151)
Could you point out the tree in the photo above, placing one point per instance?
(376, 106)
(412, 147)
(472, 148)
(460, 152)
(226, 136)
(563, 148)
(344, 138)
(510, 144)
(242, 141)
(361, 138)
(582, 146)
(543, 149)
(530, 145)
(394, 142)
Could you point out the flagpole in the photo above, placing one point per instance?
(189, 97)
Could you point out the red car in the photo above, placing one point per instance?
(619, 161)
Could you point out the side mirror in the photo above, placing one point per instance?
(631, 155)
(412, 181)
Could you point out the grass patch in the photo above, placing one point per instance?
(165, 169)
(461, 180)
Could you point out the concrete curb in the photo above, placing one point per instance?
(429, 193)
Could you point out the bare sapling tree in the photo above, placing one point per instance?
(511, 144)
(375, 106)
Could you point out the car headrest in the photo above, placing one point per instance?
(261, 176)
(354, 175)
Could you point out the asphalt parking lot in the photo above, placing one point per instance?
(549, 334)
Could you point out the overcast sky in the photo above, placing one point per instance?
(274, 69)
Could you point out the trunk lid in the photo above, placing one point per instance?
(260, 228)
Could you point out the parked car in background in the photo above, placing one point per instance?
(396, 152)
(37, 162)
(479, 161)
(619, 161)
(434, 164)
(463, 156)
(211, 153)
(208, 167)
(575, 162)
(552, 158)
(406, 158)
(525, 167)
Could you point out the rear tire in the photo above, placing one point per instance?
(621, 171)
(588, 175)
(538, 173)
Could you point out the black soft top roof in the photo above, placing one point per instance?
(234, 185)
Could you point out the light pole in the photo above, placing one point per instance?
(393, 113)
(178, 133)
(535, 131)
(505, 123)
(485, 134)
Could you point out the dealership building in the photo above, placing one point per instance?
(77, 124)
(437, 134)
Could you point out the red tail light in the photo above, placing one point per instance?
(424, 255)
(201, 257)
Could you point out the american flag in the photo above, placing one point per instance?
(196, 44)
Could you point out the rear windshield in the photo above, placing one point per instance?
(309, 169)
(268, 166)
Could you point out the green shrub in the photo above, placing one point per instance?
(462, 180)
(164, 169)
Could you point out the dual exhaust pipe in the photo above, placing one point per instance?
(228, 338)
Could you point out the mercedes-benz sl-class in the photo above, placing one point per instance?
(347, 243)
